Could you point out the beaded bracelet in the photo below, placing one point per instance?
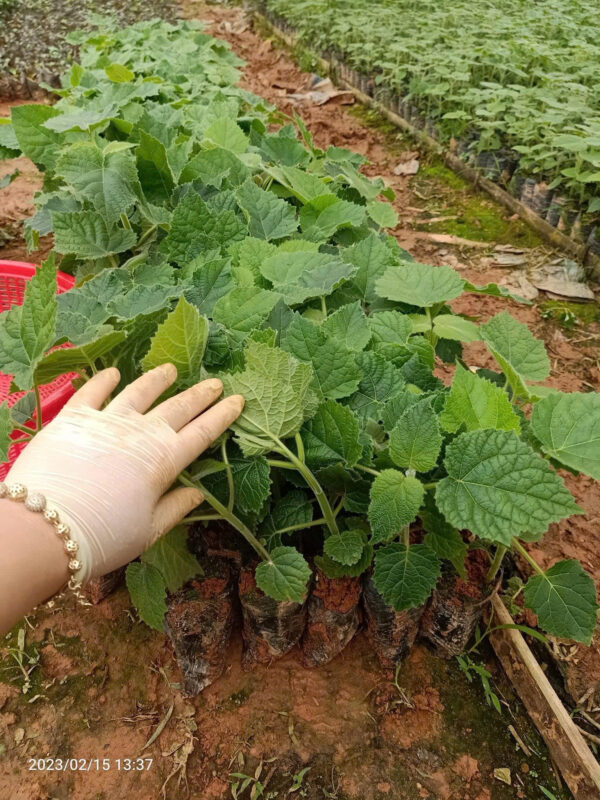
(36, 502)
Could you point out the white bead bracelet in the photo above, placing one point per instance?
(36, 502)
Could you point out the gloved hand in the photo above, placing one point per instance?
(106, 471)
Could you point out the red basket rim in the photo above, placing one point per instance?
(26, 270)
(60, 389)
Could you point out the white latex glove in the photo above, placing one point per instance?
(106, 471)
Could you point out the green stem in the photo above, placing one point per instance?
(147, 234)
(273, 462)
(367, 469)
(406, 535)
(23, 429)
(229, 475)
(229, 516)
(516, 545)
(430, 485)
(203, 518)
(301, 525)
(314, 485)
(496, 562)
(323, 307)
(300, 446)
(20, 441)
(38, 409)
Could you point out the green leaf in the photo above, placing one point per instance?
(74, 359)
(371, 258)
(5, 430)
(390, 327)
(195, 229)
(35, 140)
(349, 325)
(9, 146)
(80, 119)
(251, 481)
(521, 356)
(285, 576)
(209, 282)
(278, 397)
(180, 340)
(300, 275)
(87, 235)
(568, 426)
(105, 178)
(171, 557)
(249, 254)
(445, 541)
(336, 374)
(419, 284)
(155, 174)
(294, 508)
(395, 502)
(450, 326)
(331, 436)
(333, 569)
(380, 381)
(416, 440)
(118, 73)
(226, 133)
(382, 213)
(147, 590)
(493, 290)
(564, 599)
(243, 309)
(345, 547)
(268, 216)
(396, 406)
(27, 331)
(477, 403)
(498, 487)
(213, 166)
(404, 576)
(322, 216)
(303, 185)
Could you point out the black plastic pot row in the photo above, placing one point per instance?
(501, 167)
(201, 617)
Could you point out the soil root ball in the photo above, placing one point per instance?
(99, 588)
(199, 622)
(333, 617)
(455, 610)
(392, 633)
(270, 628)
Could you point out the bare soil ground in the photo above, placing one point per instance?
(101, 684)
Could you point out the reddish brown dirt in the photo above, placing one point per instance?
(477, 565)
(103, 682)
(337, 594)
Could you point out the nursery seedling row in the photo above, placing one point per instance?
(556, 197)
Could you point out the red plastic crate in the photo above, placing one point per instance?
(13, 279)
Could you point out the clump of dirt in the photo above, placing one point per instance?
(477, 566)
(270, 628)
(333, 617)
(199, 622)
(457, 606)
(337, 594)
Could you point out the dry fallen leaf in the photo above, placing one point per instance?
(502, 774)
